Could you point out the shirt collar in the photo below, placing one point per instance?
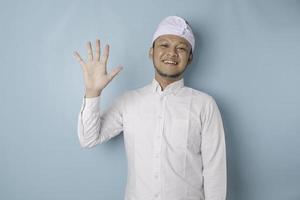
(171, 88)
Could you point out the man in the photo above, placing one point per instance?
(173, 134)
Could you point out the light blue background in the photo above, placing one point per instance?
(247, 57)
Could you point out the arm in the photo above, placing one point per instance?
(213, 150)
(94, 126)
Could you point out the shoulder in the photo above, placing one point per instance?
(134, 94)
(208, 104)
(199, 96)
(202, 100)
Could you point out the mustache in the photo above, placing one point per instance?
(173, 60)
(170, 58)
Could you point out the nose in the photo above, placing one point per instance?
(172, 53)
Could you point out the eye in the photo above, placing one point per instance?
(182, 49)
(164, 45)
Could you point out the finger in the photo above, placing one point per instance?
(90, 51)
(97, 51)
(104, 56)
(79, 59)
(114, 72)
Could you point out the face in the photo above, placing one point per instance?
(171, 55)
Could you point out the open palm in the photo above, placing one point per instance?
(95, 70)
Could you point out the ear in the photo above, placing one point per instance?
(151, 53)
(190, 58)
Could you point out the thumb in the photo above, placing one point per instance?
(114, 72)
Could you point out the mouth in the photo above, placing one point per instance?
(170, 62)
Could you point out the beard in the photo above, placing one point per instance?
(166, 75)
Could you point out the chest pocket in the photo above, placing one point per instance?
(183, 126)
(177, 124)
(176, 133)
(194, 134)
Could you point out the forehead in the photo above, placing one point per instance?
(173, 39)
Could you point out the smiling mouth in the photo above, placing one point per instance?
(170, 62)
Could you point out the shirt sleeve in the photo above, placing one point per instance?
(95, 126)
(213, 151)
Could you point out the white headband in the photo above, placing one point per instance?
(175, 25)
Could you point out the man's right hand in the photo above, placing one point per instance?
(94, 70)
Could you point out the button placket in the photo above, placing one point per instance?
(158, 143)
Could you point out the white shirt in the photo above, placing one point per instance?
(174, 141)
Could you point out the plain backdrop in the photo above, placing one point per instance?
(247, 57)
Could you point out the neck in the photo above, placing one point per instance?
(164, 82)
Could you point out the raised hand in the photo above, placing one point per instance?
(95, 70)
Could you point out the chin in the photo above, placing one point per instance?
(163, 71)
(169, 75)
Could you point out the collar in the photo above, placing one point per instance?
(171, 88)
